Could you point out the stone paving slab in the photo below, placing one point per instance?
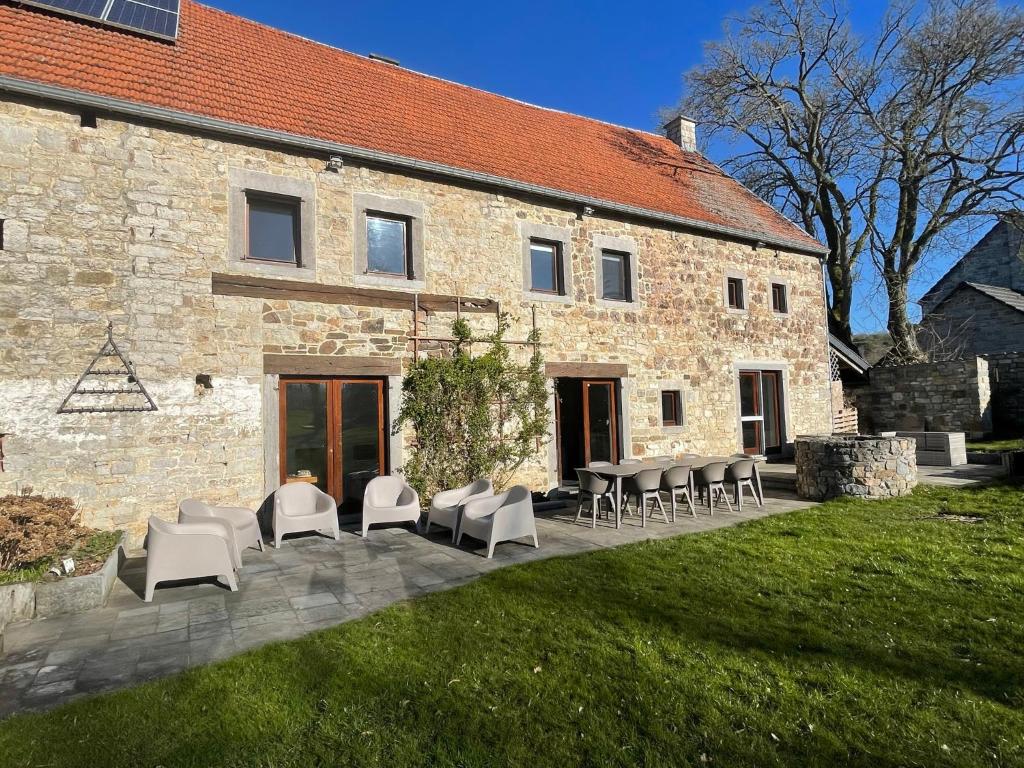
(311, 583)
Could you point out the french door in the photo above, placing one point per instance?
(600, 432)
(761, 411)
(332, 435)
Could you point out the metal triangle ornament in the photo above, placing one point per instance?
(100, 389)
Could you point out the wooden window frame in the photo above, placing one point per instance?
(268, 197)
(627, 283)
(735, 292)
(406, 222)
(675, 398)
(780, 291)
(556, 266)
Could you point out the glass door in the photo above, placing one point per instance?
(771, 401)
(360, 438)
(761, 411)
(600, 433)
(751, 417)
(332, 435)
(305, 434)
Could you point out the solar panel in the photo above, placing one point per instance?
(150, 17)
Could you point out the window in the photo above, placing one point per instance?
(1, 234)
(615, 276)
(780, 301)
(671, 408)
(272, 231)
(734, 293)
(546, 267)
(387, 244)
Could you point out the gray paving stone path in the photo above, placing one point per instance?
(311, 583)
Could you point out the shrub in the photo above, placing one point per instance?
(34, 528)
(472, 416)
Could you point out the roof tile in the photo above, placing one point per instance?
(229, 68)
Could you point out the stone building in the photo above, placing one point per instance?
(977, 307)
(271, 225)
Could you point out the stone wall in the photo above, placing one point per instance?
(997, 259)
(129, 221)
(951, 396)
(971, 323)
(1006, 377)
(857, 465)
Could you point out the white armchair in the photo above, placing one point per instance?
(446, 505)
(189, 551)
(503, 517)
(389, 499)
(245, 528)
(301, 507)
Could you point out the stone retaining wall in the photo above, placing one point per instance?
(1006, 378)
(951, 396)
(864, 466)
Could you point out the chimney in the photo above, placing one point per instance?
(682, 131)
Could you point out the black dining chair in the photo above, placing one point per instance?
(676, 481)
(711, 477)
(645, 486)
(596, 489)
(741, 473)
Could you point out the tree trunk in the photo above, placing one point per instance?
(840, 278)
(905, 347)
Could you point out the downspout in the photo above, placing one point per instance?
(828, 348)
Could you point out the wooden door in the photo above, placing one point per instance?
(332, 434)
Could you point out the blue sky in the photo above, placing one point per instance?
(611, 60)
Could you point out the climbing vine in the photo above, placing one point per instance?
(473, 417)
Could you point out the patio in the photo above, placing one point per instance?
(311, 583)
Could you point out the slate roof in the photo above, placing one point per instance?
(231, 69)
(1009, 297)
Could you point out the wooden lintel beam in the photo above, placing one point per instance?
(296, 290)
(586, 370)
(331, 365)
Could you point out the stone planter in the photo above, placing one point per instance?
(864, 466)
(27, 600)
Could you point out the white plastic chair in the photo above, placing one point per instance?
(301, 507)
(504, 517)
(389, 499)
(446, 506)
(244, 526)
(188, 551)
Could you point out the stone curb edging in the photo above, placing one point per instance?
(27, 600)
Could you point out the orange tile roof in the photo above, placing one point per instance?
(232, 69)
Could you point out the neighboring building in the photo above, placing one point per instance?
(269, 222)
(977, 307)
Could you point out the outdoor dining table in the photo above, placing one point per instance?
(618, 472)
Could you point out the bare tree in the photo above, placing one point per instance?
(879, 146)
(940, 95)
(769, 84)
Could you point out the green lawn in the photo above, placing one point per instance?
(992, 446)
(856, 633)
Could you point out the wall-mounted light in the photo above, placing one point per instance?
(758, 245)
(335, 163)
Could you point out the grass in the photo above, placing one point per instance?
(994, 446)
(89, 555)
(856, 633)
